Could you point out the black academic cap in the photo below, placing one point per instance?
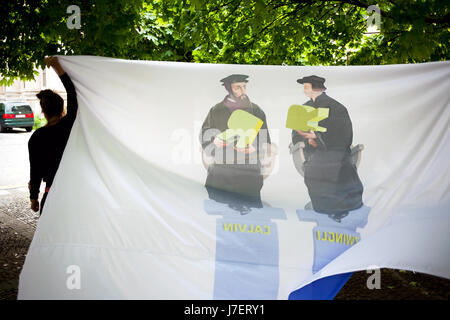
(316, 82)
(235, 78)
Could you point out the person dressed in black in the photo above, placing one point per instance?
(46, 145)
(235, 178)
(332, 180)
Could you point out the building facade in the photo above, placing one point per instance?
(25, 91)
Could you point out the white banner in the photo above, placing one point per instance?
(143, 208)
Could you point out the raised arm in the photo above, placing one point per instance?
(72, 104)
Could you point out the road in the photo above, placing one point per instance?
(14, 168)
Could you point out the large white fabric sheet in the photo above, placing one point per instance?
(127, 203)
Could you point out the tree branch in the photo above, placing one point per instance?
(444, 20)
(437, 20)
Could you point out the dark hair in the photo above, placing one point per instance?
(318, 86)
(52, 104)
(228, 87)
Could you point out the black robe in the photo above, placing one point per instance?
(234, 178)
(332, 181)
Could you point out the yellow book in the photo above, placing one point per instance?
(243, 126)
(306, 118)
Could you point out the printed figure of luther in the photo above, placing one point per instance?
(329, 174)
(235, 135)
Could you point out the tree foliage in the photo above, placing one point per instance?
(30, 30)
(311, 32)
(293, 32)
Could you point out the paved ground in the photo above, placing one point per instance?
(396, 285)
(18, 223)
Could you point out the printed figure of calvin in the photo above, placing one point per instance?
(235, 134)
(329, 174)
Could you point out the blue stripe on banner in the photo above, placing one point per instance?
(322, 289)
(247, 254)
(331, 237)
(246, 260)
